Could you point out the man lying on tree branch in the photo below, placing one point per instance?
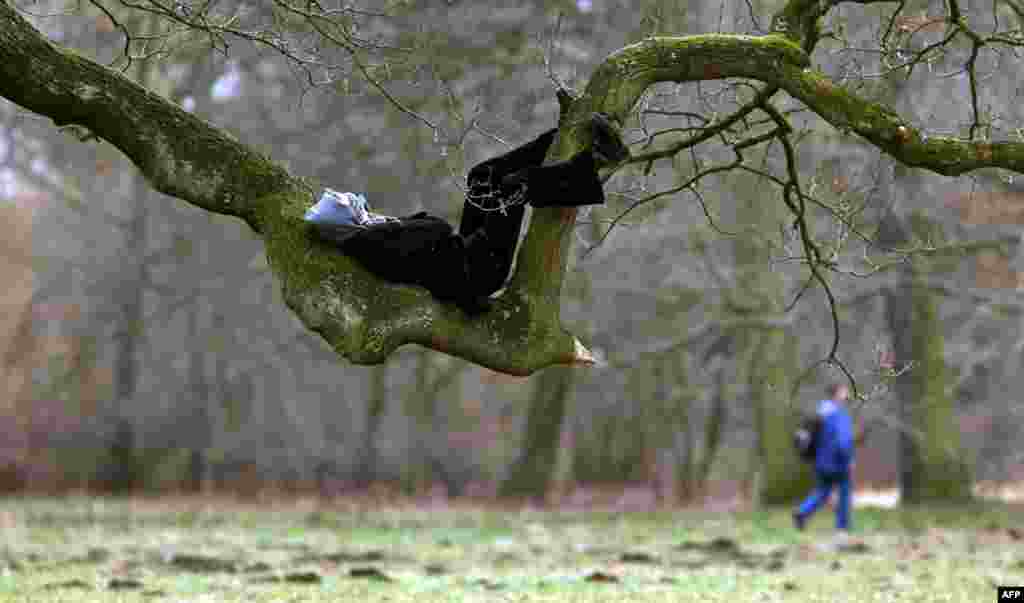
(465, 268)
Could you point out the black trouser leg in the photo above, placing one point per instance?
(575, 181)
(568, 183)
(491, 234)
(492, 216)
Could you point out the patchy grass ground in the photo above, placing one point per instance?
(85, 550)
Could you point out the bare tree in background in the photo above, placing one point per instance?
(531, 471)
(423, 408)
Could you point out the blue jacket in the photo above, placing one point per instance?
(835, 446)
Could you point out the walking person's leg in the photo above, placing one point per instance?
(843, 505)
(812, 503)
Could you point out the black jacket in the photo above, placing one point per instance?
(420, 249)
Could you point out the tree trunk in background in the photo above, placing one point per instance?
(420, 408)
(713, 428)
(784, 477)
(686, 484)
(447, 462)
(531, 472)
(364, 472)
(128, 330)
(932, 466)
(428, 432)
(120, 475)
(668, 419)
(198, 392)
(128, 296)
(613, 447)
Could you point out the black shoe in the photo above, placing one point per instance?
(606, 145)
(799, 521)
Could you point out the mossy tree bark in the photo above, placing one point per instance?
(365, 319)
(933, 468)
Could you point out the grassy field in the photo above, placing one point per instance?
(82, 549)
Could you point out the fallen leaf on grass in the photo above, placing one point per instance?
(719, 545)
(342, 557)
(370, 573)
(853, 547)
(295, 577)
(602, 577)
(94, 555)
(638, 557)
(435, 569)
(200, 564)
(82, 584)
(123, 584)
(789, 585)
(721, 550)
(488, 584)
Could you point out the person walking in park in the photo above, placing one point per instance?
(833, 460)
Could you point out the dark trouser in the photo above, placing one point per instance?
(826, 481)
(492, 215)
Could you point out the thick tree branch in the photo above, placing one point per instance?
(622, 78)
(363, 318)
(178, 153)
